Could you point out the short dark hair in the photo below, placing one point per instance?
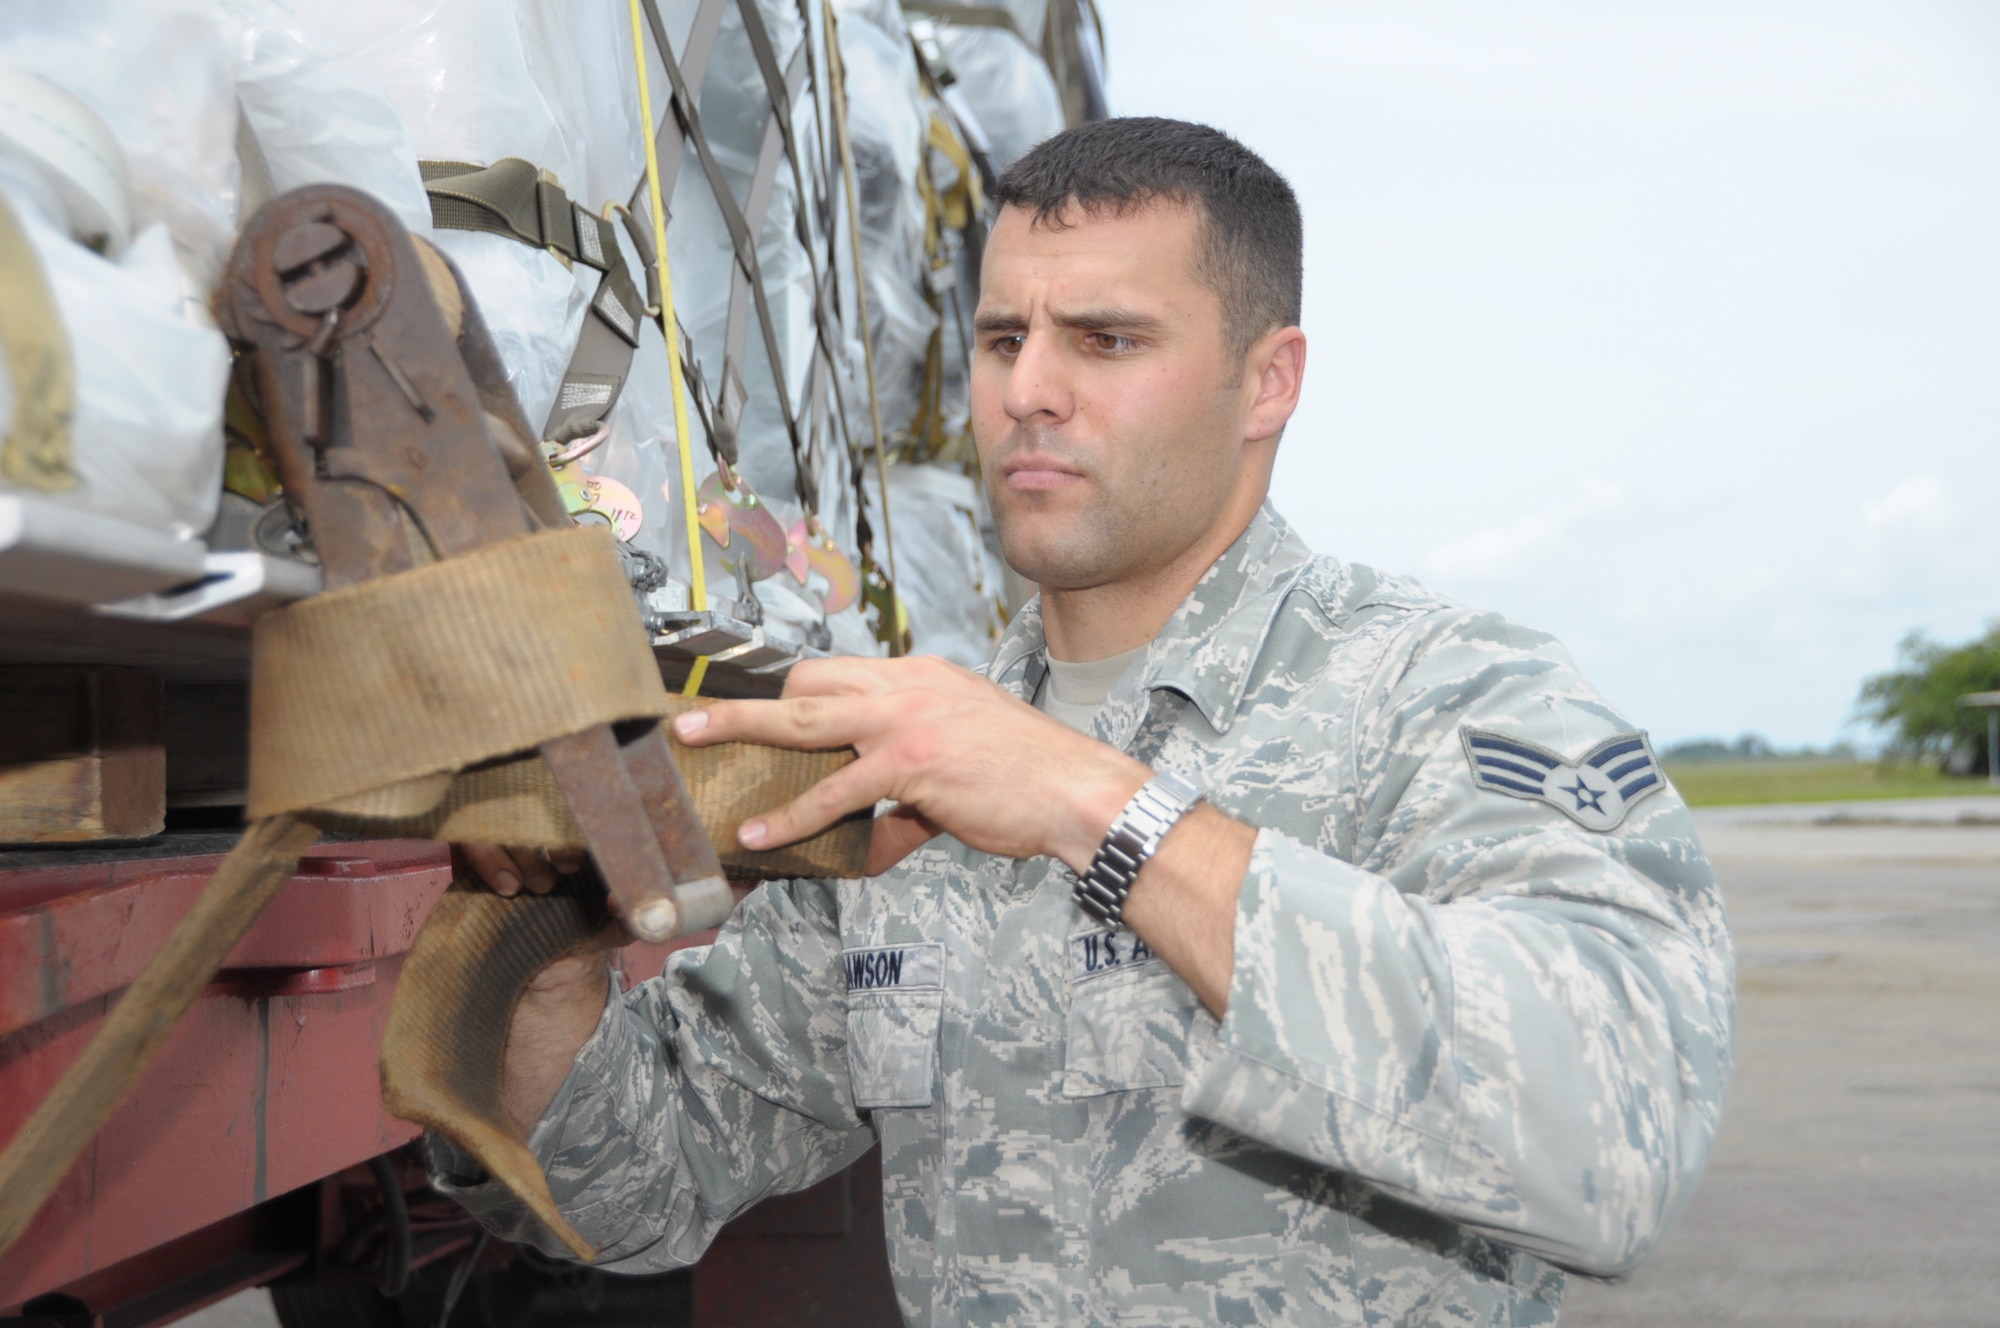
(1252, 239)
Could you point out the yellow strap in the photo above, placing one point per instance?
(670, 326)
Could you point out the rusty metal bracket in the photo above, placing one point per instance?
(399, 442)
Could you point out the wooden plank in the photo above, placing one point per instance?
(82, 754)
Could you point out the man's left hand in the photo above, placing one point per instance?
(955, 752)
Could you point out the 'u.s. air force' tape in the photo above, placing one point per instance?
(1092, 954)
(1595, 790)
(876, 967)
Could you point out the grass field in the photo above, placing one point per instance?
(1728, 783)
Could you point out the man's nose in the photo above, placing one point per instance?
(1038, 382)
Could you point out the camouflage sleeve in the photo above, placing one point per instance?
(720, 1082)
(1493, 1012)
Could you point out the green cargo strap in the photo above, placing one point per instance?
(512, 198)
(35, 444)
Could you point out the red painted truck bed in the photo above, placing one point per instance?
(204, 1181)
(267, 1085)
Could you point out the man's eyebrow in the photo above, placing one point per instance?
(1110, 320)
(999, 320)
(1083, 320)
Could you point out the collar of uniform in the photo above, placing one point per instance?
(1208, 645)
(1021, 660)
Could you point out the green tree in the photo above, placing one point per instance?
(1918, 702)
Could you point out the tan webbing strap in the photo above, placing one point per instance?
(517, 802)
(511, 198)
(382, 690)
(377, 709)
(35, 444)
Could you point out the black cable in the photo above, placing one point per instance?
(396, 1242)
(460, 1276)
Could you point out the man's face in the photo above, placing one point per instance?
(1108, 411)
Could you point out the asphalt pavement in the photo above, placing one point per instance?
(1856, 1179)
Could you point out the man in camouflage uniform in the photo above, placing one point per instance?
(1426, 999)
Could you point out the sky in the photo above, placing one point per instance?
(1670, 328)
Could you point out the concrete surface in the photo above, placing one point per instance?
(1856, 1180)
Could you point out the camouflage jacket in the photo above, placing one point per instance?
(1475, 1033)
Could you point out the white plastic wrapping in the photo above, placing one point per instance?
(159, 72)
(548, 81)
(146, 435)
(53, 136)
(1030, 16)
(167, 78)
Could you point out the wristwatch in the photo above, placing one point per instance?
(1130, 842)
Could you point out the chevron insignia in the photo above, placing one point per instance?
(1595, 791)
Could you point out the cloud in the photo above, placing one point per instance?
(1502, 552)
(1919, 505)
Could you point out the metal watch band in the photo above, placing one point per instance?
(1132, 839)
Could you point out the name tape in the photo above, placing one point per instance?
(905, 966)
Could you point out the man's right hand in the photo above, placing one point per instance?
(506, 870)
(561, 1005)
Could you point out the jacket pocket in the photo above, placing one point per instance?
(895, 996)
(892, 1042)
(1128, 1017)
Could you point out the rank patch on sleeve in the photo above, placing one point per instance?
(1595, 791)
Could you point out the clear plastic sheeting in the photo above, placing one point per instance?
(553, 84)
(531, 303)
(213, 105)
(736, 111)
(475, 81)
(889, 122)
(638, 452)
(1005, 85)
(947, 578)
(317, 114)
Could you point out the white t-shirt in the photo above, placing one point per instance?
(1072, 693)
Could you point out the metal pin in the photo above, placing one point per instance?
(402, 381)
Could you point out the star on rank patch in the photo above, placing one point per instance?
(1595, 791)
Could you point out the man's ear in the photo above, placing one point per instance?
(1276, 366)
